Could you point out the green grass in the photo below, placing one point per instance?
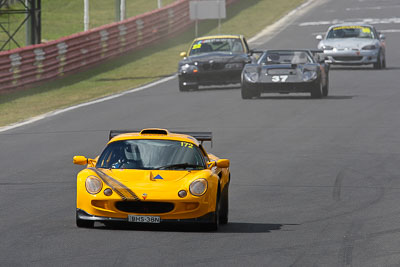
(65, 17)
(246, 17)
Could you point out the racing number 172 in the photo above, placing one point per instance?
(184, 144)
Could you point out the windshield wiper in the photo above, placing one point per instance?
(178, 166)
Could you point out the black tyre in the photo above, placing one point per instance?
(316, 91)
(223, 216)
(378, 65)
(384, 63)
(182, 88)
(325, 89)
(84, 223)
(248, 92)
(213, 226)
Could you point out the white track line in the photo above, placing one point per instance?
(272, 30)
(59, 111)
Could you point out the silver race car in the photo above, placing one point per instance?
(353, 44)
(286, 71)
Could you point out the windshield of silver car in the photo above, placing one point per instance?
(350, 32)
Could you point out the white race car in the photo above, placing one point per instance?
(353, 44)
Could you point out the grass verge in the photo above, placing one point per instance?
(61, 18)
(138, 67)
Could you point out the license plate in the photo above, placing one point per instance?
(143, 219)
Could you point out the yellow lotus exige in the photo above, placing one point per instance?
(153, 176)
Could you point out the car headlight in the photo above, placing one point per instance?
(93, 184)
(188, 68)
(309, 75)
(369, 47)
(251, 75)
(198, 187)
(327, 47)
(234, 66)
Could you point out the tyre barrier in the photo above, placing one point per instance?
(27, 66)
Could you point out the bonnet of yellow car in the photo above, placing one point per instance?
(154, 176)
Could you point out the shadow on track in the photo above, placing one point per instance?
(232, 227)
(132, 78)
(217, 88)
(302, 97)
(356, 68)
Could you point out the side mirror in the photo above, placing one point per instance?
(80, 160)
(318, 37)
(183, 54)
(223, 163)
(382, 36)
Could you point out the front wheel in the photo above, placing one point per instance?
(182, 88)
(379, 62)
(84, 223)
(223, 217)
(249, 92)
(316, 91)
(325, 89)
(213, 226)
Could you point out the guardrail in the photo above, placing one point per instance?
(27, 66)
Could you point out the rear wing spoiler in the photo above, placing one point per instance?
(200, 136)
(256, 51)
(316, 51)
(318, 54)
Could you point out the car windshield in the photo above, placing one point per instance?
(149, 154)
(350, 32)
(286, 57)
(233, 45)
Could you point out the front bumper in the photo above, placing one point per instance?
(283, 88)
(214, 77)
(83, 215)
(352, 57)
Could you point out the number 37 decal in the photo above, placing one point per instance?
(280, 78)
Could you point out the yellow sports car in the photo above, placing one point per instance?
(153, 176)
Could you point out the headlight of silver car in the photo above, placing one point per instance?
(309, 75)
(251, 75)
(198, 187)
(234, 66)
(369, 47)
(93, 184)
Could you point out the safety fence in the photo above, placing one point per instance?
(27, 66)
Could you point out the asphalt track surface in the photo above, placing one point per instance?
(315, 182)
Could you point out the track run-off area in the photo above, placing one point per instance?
(315, 182)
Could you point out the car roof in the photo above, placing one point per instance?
(218, 36)
(351, 24)
(155, 134)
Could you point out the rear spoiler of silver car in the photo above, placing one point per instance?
(200, 136)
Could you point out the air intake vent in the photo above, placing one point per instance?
(154, 131)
